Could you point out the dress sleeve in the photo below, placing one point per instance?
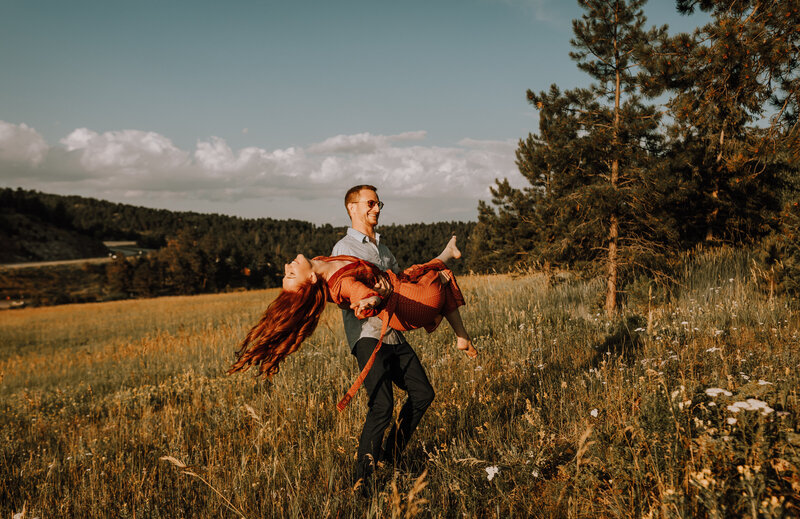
(354, 291)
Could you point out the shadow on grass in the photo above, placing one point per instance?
(623, 341)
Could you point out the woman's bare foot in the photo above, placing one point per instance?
(466, 346)
(450, 251)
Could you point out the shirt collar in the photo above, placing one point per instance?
(361, 237)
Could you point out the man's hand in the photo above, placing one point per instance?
(368, 302)
(383, 287)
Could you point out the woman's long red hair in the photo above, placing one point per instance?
(288, 320)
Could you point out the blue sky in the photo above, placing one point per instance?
(276, 108)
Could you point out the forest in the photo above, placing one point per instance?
(194, 253)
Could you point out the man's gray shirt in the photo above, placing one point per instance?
(358, 244)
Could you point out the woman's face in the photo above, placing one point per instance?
(297, 273)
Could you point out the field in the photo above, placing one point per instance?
(685, 406)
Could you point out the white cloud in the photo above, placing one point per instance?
(21, 144)
(429, 182)
(363, 142)
(131, 152)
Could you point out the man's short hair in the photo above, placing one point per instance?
(352, 194)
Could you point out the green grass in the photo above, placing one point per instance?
(580, 416)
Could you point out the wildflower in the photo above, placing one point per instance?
(751, 404)
(594, 413)
(764, 383)
(731, 420)
(491, 472)
(703, 478)
(712, 350)
(716, 391)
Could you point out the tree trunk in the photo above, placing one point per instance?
(711, 219)
(613, 228)
(611, 286)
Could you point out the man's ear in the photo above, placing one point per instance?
(313, 277)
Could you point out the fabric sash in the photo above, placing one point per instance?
(385, 315)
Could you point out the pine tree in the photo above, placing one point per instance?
(594, 189)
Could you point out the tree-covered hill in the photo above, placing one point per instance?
(194, 252)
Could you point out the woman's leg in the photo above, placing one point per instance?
(463, 340)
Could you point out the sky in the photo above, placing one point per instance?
(275, 108)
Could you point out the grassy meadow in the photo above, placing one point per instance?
(685, 406)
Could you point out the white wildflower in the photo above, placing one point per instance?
(751, 404)
(764, 383)
(731, 420)
(594, 413)
(491, 472)
(712, 350)
(716, 391)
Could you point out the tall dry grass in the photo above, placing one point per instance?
(564, 414)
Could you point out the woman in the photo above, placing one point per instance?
(421, 295)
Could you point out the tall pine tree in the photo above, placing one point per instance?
(594, 187)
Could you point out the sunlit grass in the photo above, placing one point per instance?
(572, 414)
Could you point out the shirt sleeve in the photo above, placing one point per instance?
(338, 249)
(393, 266)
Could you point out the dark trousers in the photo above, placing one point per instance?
(395, 364)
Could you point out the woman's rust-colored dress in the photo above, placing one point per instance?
(419, 299)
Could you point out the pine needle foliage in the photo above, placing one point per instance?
(595, 184)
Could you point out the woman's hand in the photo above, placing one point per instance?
(364, 304)
(383, 287)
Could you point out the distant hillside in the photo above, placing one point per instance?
(223, 236)
(189, 252)
(28, 237)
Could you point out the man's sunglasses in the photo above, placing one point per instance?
(372, 203)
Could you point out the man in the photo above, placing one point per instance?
(396, 362)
